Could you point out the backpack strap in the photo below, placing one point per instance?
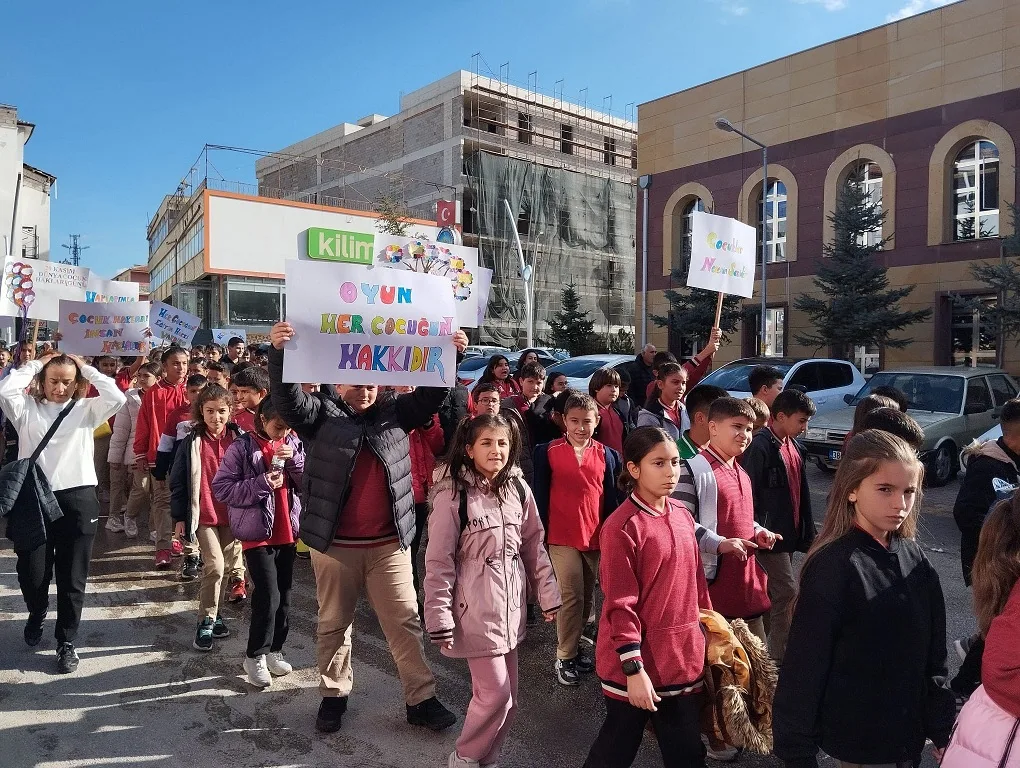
(50, 432)
(521, 493)
(463, 510)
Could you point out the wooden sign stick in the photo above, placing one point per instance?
(718, 310)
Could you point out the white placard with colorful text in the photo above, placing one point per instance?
(100, 290)
(457, 264)
(171, 325)
(222, 335)
(39, 286)
(104, 328)
(355, 325)
(723, 254)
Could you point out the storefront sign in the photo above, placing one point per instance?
(358, 326)
(338, 245)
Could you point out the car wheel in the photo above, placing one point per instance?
(942, 466)
(824, 465)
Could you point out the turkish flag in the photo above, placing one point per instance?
(446, 213)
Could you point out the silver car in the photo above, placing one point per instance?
(953, 406)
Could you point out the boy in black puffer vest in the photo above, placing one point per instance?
(358, 520)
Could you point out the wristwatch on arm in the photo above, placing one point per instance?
(632, 666)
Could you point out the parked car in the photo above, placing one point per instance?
(579, 370)
(477, 350)
(545, 359)
(470, 370)
(825, 381)
(953, 405)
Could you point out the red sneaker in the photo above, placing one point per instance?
(163, 558)
(238, 592)
(176, 547)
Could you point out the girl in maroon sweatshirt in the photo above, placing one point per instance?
(650, 652)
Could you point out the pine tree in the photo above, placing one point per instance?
(571, 328)
(692, 311)
(1002, 279)
(857, 307)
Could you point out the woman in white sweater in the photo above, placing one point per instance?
(67, 462)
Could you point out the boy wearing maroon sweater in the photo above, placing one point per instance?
(717, 491)
(250, 387)
(575, 490)
(604, 387)
(157, 404)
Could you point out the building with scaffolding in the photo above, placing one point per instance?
(566, 169)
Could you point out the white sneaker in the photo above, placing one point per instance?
(130, 527)
(727, 755)
(456, 761)
(277, 665)
(152, 536)
(258, 673)
(114, 523)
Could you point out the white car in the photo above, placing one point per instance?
(825, 381)
(579, 370)
(470, 370)
(485, 351)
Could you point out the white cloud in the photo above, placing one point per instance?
(913, 7)
(829, 5)
(736, 8)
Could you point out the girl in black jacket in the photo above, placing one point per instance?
(863, 676)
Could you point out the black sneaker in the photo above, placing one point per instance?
(204, 635)
(67, 659)
(532, 615)
(331, 713)
(220, 629)
(566, 672)
(192, 568)
(584, 664)
(33, 629)
(590, 633)
(431, 714)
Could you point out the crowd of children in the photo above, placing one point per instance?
(670, 497)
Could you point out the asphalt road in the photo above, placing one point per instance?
(143, 697)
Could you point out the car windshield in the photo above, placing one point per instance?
(578, 369)
(924, 391)
(733, 377)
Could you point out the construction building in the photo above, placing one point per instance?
(925, 112)
(566, 170)
(139, 273)
(24, 192)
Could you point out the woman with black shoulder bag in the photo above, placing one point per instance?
(54, 512)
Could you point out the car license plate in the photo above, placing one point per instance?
(835, 455)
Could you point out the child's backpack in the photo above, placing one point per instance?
(521, 493)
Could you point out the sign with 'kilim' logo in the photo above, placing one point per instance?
(338, 245)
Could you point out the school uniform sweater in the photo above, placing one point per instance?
(651, 576)
(865, 666)
(598, 493)
(720, 499)
(157, 404)
(610, 430)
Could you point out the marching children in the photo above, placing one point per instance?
(485, 546)
(650, 652)
(782, 503)
(698, 404)
(258, 481)
(604, 387)
(866, 658)
(157, 404)
(216, 373)
(486, 399)
(197, 366)
(718, 493)
(129, 487)
(575, 489)
(197, 513)
(987, 727)
(497, 371)
(765, 382)
(250, 387)
(528, 409)
(762, 415)
(665, 410)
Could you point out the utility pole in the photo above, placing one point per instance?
(74, 251)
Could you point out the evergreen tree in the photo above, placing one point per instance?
(692, 311)
(857, 307)
(571, 328)
(1003, 279)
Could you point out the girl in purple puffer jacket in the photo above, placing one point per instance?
(485, 544)
(257, 480)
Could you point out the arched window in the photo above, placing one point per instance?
(687, 215)
(976, 191)
(772, 222)
(868, 178)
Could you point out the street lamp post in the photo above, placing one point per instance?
(527, 274)
(725, 125)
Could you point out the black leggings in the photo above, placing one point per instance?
(272, 573)
(677, 728)
(421, 520)
(67, 552)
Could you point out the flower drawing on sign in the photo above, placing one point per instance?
(18, 284)
(419, 254)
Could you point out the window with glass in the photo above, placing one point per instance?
(974, 343)
(772, 222)
(1002, 388)
(775, 325)
(976, 191)
(686, 224)
(868, 178)
(247, 305)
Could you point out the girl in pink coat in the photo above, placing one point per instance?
(987, 733)
(485, 544)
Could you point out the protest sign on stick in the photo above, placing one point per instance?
(722, 257)
(171, 325)
(369, 326)
(99, 290)
(38, 286)
(99, 328)
(222, 335)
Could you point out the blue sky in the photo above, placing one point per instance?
(125, 94)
